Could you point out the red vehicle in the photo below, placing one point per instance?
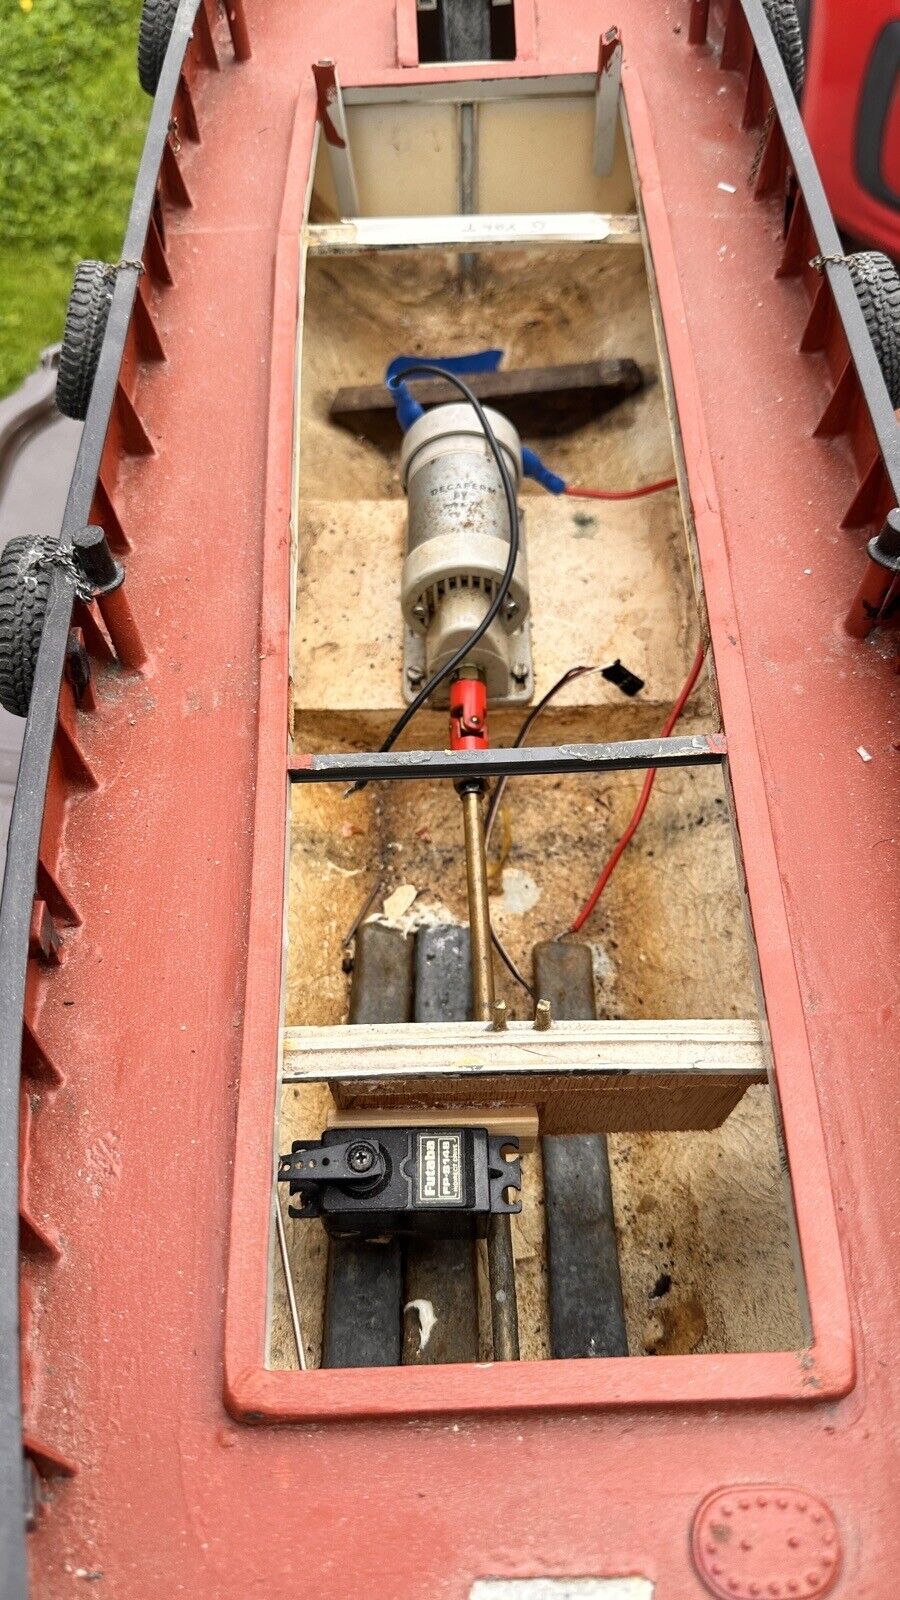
(844, 66)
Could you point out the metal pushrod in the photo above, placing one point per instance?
(691, 750)
(289, 1284)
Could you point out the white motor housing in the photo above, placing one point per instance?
(457, 545)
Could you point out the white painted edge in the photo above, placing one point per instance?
(562, 1589)
(476, 232)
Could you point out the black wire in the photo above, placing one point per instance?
(534, 713)
(459, 656)
(496, 797)
(510, 965)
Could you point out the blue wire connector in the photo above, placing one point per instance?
(533, 467)
(409, 409)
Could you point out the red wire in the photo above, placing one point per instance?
(620, 494)
(640, 808)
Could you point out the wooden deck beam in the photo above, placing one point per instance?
(585, 1077)
(479, 232)
(542, 402)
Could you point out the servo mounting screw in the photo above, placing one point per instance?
(360, 1158)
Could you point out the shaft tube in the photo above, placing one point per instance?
(479, 911)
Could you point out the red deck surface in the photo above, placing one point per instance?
(146, 1014)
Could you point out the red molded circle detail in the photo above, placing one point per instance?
(765, 1540)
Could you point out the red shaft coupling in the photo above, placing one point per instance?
(468, 715)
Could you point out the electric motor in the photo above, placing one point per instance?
(457, 545)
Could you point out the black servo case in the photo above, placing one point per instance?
(440, 1183)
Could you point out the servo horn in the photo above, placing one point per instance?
(443, 1183)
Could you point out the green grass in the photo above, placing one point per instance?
(72, 123)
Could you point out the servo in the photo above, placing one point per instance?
(443, 1183)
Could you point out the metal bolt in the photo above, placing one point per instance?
(542, 1016)
(520, 672)
(414, 676)
(360, 1157)
(419, 611)
(511, 608)
(498, 1016)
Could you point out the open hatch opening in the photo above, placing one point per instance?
(546, 263)
(466, 30)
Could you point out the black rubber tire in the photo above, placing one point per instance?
(23, 606)
(86, 319)
(877, 286)
(784, 20)
(154, 33)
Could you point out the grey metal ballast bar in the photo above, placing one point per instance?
(693, 750)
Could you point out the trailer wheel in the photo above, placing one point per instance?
(784, 20)
(24, 590)
(86, 318)
(877, 286)
(154, 33)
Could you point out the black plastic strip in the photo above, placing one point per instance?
(28, 809)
